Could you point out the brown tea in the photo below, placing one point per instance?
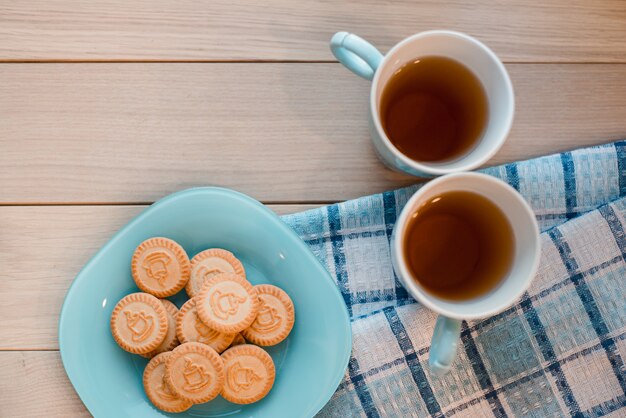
(459, 245)
(434, 109)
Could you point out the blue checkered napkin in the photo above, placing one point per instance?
(559, 351)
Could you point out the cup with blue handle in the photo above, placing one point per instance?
(365, 60)
(510, 287)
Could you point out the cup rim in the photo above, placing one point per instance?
(406, 277)
(424, 167)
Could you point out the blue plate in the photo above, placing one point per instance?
(309, 363)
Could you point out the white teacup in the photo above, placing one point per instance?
(523, 269)
(365, 60)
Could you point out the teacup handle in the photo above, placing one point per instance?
(356, 54)
(444, 344)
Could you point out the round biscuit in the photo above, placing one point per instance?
(139, 323)
(190, 328)
(209, 263)
(275, 319)
(194, 372)
(227, 303)
(160, 266)
(157, 390)
(249, 374)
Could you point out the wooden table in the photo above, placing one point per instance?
(108, 105)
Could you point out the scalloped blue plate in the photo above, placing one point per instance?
(310, 363)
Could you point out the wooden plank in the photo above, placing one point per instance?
(43, 248)
(34, 384)
(279, 132)
(520, 30)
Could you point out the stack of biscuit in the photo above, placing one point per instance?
(211, 345)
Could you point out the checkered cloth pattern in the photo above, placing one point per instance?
(559, 351)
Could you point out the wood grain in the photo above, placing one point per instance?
(34, 384)
(520, 30)
(279, 132)
(43, 249)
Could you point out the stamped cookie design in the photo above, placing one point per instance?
(194, 372)
(275, 318)
(139, 323)
(190, 328)
(157, 390)
(249, 372)
(160, 267)
(227, 303)
(171, 340)
(209, 263)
